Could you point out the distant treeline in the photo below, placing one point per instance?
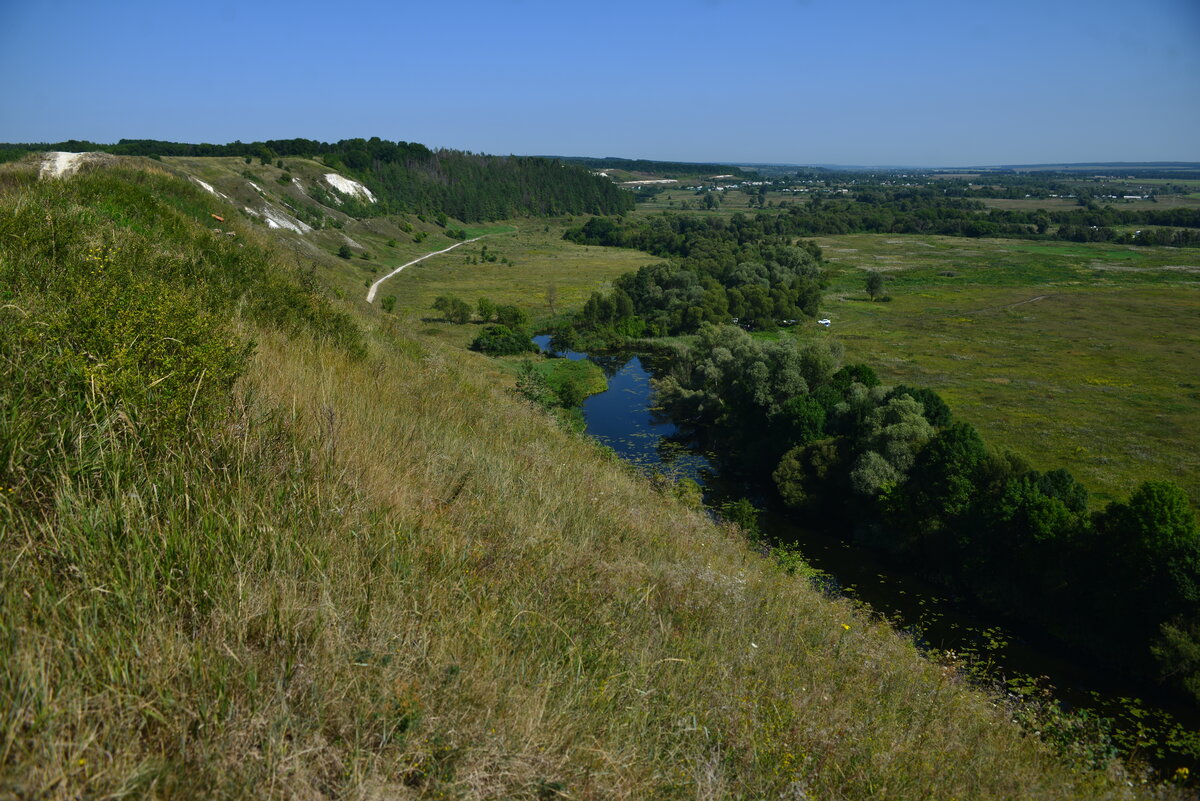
(1115, 169)
(909, 210)
(409, 177)
(667, 168)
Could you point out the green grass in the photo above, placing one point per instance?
(368, 570)
(1066, 204)
(562, 371)
(732, 201)
(1073, 355)
(487, 230)
(541, 264)
(1030, 203)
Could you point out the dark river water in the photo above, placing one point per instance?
(1155, 728)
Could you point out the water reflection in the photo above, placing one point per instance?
(622, 419)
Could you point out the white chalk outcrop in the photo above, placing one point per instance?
(275, 218)
(349, 187)
(207, 186)
(57, 164)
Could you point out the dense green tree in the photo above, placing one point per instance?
(727, 377)
(744, 514)
(800, 421)
(1154, 536)
(453, 309)
(874, 284)
(933, 407)
(941, 485)
(564, 338)
(512, 317)
(897, 430)
(806, 474)
(872, 474)
(499, 340)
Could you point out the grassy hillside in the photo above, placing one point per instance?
(254, 547)
(406, 177)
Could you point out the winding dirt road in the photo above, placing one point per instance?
(375, 286)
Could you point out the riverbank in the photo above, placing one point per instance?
(1143, 722)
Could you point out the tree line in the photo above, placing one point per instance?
(907, 211)
(722, 272)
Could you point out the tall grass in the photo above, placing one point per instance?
(366, 570)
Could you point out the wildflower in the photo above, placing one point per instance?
(846, 626)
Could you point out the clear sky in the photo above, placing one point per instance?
(892, 82)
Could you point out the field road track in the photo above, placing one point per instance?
(375, 286)
(1005, 306)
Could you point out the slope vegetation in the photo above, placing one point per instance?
(251, 548)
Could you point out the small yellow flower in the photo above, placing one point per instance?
(846, 626)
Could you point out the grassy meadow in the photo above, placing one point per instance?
(541, 267)
(1066, 204)
(1074, 355)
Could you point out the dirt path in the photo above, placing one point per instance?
(998, 308)
(375, 286)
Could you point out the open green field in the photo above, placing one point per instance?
(1075, 355)
(541, 267)
(733, 200)
(1030, 203)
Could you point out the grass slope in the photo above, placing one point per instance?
(365, 570)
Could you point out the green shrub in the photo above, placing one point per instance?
(499, 340)
(453, 309)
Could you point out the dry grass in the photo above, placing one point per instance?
(386, 577)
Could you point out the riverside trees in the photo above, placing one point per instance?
(891, 467)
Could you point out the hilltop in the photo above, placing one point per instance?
(261, 541)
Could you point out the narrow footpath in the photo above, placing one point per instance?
(375, 286)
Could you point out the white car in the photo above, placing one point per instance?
(824, 322)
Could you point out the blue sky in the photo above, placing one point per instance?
(801, 81)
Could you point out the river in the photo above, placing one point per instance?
(1154, 727)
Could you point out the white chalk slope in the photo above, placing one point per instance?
(349, 187)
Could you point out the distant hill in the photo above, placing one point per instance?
(406, 176)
